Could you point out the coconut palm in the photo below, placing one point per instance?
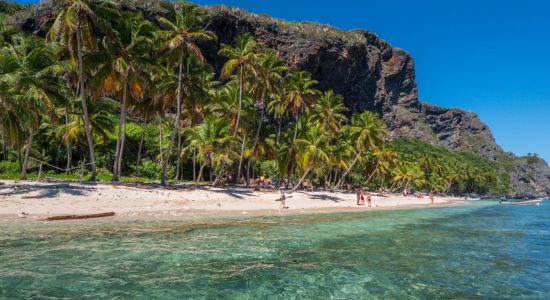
(313, 151)
(369, 133)
(213, 142)
(81, 20)
(182, 29)
(241, 59)
(328, 111)
(384, 157)
(277, 108)
(267, 81)
(299, 94)
(125, 57)
(29, 69)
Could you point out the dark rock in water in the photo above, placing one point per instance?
(367, 71)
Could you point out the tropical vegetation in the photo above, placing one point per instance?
(109, 94)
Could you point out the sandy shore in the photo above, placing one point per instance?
(41, 199)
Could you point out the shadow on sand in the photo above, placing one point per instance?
(45, 191)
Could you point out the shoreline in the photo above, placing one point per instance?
(181, 202)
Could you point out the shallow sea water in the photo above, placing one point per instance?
(480, 250)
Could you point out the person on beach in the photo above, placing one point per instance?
(432, 197)
(358, 193)
(362, 198)
(369, 200)
(283, 200)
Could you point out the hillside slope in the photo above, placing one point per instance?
(369, 73)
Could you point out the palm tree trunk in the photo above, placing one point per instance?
(279, 132)
(4, 143)
(176, 125)
(224, 163)
(118, 150)
(393, 188)
(257, 138)
(160, 138)
(69, 145)
(27, 155)
(201, 170)
(300, 182)
(142, 137)
(178, 162)
(333, 184)
(194, 162)
(295, 133)
(86, 116)
(121, 154)
(341, 182)
(220, 174)
(20, 159)
(241, 86)
(328, 179)
(241, 159)
(374, 171)
(292, 148)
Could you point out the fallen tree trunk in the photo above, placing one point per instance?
(79, 217)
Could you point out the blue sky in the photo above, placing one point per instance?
(487, 56)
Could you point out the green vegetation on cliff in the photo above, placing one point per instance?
(110, 94)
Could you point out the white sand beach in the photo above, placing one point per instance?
(41, 199)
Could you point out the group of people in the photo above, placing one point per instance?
(420, 195)
(361, 196)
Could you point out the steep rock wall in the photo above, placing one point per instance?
(367, 71)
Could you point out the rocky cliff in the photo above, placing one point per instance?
(366, 70)
(370, 74)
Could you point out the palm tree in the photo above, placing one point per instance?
(81, 18)
(29, 69)
(385, 158)
(277, 108)
(182, 30)
(126, 56)
(213, 142)
(343, 152)
(328, 111)
(102, 123)
(313, 151)
(267, 81)
(226, 103)
(368, 132)
(299, 94)
(241, 59)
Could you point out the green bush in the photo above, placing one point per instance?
(266, 168)
(149, 169)
(9, 167)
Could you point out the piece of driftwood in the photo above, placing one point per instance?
(79, 217)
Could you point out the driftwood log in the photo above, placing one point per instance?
(79, 217)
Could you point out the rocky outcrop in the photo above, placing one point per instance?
(369, 73)
(366, 70)
(372, 75)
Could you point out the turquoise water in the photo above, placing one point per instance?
(482, 250)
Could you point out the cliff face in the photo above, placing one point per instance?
(366, 70)
(372, 75)
(369, 73)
